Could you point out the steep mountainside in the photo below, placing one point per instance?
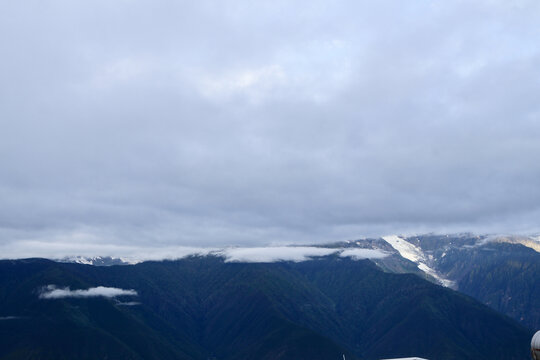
(203, 307)
(504, 276)
(500, 271)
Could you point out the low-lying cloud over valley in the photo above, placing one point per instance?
(54, 292)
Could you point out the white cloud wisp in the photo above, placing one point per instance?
(53, 292)
(360, 254)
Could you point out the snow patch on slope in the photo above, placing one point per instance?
(444, 282)
(405, 248)
(416, 255)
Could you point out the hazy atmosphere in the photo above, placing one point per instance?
(134, 124)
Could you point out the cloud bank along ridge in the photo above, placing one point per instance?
(295, 253)
(257, 254)
(247, 255)
(231, 254)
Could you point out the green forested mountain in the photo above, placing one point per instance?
(504, 276)
(205, 308)
(501, 272)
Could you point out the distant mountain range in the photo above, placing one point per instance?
(503, 272)
(500, 271)
(205, 307)
(97, 260)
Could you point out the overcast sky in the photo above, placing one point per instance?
(210, 123)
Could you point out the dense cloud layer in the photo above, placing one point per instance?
(129, 124)
(293, 253)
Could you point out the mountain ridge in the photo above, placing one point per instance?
(205, 307)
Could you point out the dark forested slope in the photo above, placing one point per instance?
(203, 307)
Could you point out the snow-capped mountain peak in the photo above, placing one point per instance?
(98, 260)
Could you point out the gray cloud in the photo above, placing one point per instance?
(133, 124)
(53, 292)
